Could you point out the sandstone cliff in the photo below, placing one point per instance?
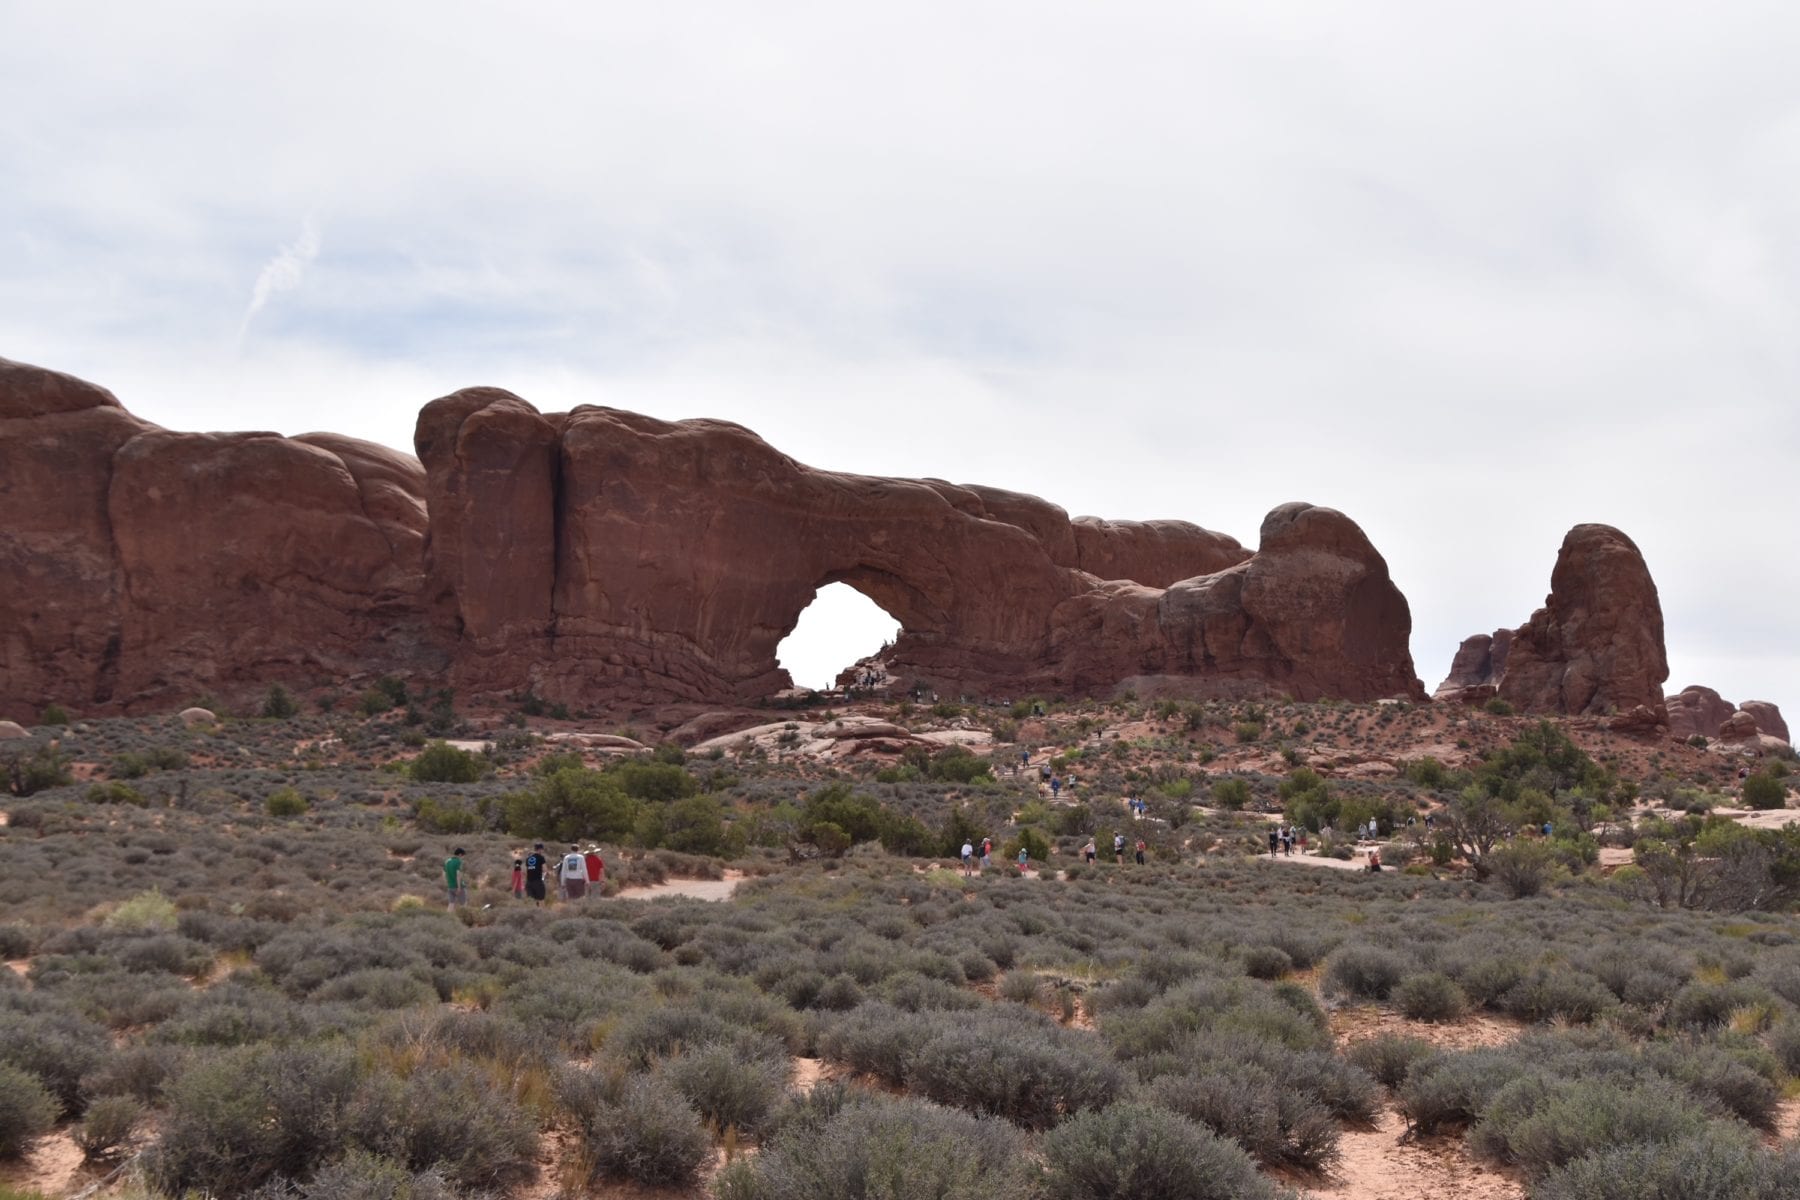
(1595, 648)
(602, 557)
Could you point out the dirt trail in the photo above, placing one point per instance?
(697, 889)
(1377, 1165)
(53, 1168)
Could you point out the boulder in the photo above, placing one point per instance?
(1740, 726)
(1697, 710)
(12, 731)
(197, 716)
(1768, 718)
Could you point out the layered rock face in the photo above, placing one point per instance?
(604, 557)
(1595, 648)
(670, 559)
(147, 567)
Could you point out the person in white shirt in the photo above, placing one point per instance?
(573, 874)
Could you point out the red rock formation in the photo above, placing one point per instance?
(600, 557)
(1475, 672)
(1697, 710)
(146, 567)
(1595, 648)
(1768, 718)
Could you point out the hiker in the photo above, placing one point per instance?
(1140, 851)
(1088, 852)
(987, 852)
(1274, 841)
(1024, 859)
(518, 879)
(453, 879)
(1118, 847)
(1375, 859)
(1374, 829)
(1055, 787)
(968, 858)
(573, 875)
(535, 862)
(596, 869)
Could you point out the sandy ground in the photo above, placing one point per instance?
(21, 966)
(696, 889)
(53, 1168)
(1356, 863)
(1378, 1165)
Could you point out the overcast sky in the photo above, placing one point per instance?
(1470, 273)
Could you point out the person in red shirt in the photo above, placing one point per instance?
(596, 869)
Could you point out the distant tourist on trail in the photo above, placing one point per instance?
(535, 862)
(574, 874)
(596, 869)
(1024, 859)
(987, 853)
(1055, 786)
(1088, 852)
(1375, 858)
(1118, 847)
(1274, 841)
(1140, 851)
(968, 858)
(518, 879)
(453, 879)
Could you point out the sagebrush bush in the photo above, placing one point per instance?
(1266, 962)
(109, 1124)
(639, 1128)
(1146, 1153)
(450, 1117)
(1690, 1169)
(902, 1149)
(27, 1110)
(1275, 1124)
(1032, 1074)
(730, 1087)
(1538, 1123)
(1390, 1059)
(1430, 996)
(1363, 971)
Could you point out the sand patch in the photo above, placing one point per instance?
(694, 889)
(1378, 1165)
(20, 966)
(809, 1073)
(53, 1167)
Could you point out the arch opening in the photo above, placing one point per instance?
(838, 629)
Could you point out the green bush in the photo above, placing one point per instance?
(1363, 971)
(1430, 996)
(285, 802)
(570, 804)
(27, 1110)
(449, 1118)
(1277, 1125)
(1498, 707)
(1700, 1168)
(1266, 962)
(1521, 867)
(1390, 1059)
(1230, 794)
(1146, 1153)
(1764, 791)
(729, 1087)
(904, 1149)
(640, 1129)
(109, 1124)
(144, 912)
(116, 792)
(440, 762)
(1032, 1075)
(1540, 1125)
(279, 704)
(54, 714)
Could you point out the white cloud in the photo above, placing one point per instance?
(283, 273)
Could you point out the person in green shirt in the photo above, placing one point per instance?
(454, 880)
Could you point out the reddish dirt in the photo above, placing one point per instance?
(698, 889)
(1378, 1164)
(52, 1168)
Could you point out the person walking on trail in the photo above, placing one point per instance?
(1375, 859)
(1055, 786)
(1088, 852)
(1024, 859)
(1274, 841)
(535, 864)
(453, 879)
(968, 858)
(987, 853)
(1118, 847)
(596, 869)
(1140, 851)
(574, 874)
(518, 879)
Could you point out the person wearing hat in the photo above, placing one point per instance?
(454, 879)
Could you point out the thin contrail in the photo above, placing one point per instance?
(282, 273)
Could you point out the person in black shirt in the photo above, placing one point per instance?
(534, 873)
